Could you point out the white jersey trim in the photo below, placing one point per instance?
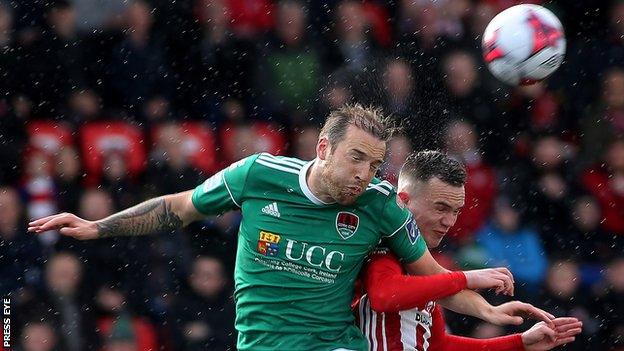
(276, 166)
(282, 161)
(409, 218)
(303, 184)
(228, 190)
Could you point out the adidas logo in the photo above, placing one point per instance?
(271, 209)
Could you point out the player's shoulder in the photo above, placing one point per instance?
(280, 164)
(381, 188)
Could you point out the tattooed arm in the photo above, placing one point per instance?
(162, 213)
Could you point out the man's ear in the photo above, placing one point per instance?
(404, 197)
(322, 148)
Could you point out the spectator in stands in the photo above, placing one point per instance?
(64, 302)
(204, 315)
(509, 243)
(21, 255)
(38, 186)
(399, 148)
(465, 96)
(563, 296)
(170, 169)
(604, 120)
(58, 61)
(546, 192)
(67, 179)
(14, 113)
(84, 105)
(481, 185)
(8, 57)
(110, 256)
(337, 92)
(117, 180)
(420, 39)
(586, 240)
(351, 44)
(400, 90)
(138, 69)
(611, 306)
(290, 65)
(251, 18)
(40, 336)
(119, 327)
(417, 115)
(219, 63)
(304, 144)
(108, 16)
(606, 183)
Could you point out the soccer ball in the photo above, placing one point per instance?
(523, 44)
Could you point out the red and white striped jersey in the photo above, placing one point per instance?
(408, 330)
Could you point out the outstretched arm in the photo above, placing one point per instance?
(471, 303)
(540, 337)
(442, 341)
(162, 213)
(390, 290)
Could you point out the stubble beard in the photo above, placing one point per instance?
(333, 187)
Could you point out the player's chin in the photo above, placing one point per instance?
(347, 198)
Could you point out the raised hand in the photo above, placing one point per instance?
(500, 279)
(67, 224)
(542, 337)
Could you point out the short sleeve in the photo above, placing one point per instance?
(401, 232)
(223, 191)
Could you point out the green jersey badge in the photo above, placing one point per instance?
(346, 224)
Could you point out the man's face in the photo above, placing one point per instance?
(351, 165)
(435, 206)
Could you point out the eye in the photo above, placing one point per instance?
(356, 158)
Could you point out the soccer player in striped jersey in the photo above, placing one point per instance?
(399, 312)
(306, 229)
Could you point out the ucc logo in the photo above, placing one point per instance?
(317, 256)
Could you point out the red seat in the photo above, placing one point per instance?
(99, 138)
(49, 136)
(199, 144)
(240, 141)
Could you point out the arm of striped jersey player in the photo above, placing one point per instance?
(441, 341)
(390, 290)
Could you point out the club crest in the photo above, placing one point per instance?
(346, 224)
(412, 231)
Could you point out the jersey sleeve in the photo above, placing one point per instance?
(223, 191)
(442, 341)
(390, 290)
(401, 232)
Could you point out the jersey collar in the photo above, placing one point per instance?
(303, 184)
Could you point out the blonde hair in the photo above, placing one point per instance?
(369, 119)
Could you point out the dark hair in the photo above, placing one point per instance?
(424, 165)
(369, 119)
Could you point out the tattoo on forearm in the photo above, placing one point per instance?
(147, 217)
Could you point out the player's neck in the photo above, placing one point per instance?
(313, 179)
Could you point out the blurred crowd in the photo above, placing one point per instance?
(107, 103)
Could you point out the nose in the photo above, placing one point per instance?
(448, 220)
(361, 172)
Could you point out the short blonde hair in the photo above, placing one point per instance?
(369, 119)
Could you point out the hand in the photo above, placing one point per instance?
(67, 224)
(508, 313)
(499, 278)
(540, 337)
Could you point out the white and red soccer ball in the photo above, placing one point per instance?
(524, 44)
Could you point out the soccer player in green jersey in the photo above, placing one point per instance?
(306, 229)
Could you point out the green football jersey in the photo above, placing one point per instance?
(298, 257)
